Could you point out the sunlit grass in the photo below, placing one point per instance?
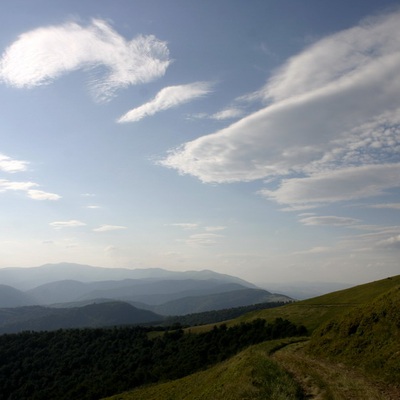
(314, 312)
(251, 374)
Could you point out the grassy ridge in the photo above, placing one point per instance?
(248, 375)
(357, 326)
(368, 336)
(314, 312)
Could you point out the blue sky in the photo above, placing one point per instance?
(254, 138)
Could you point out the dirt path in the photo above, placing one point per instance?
(322, 380)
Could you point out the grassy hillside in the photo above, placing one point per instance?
(368, 337)
(357, 326)
(314, 312)
(248, 375)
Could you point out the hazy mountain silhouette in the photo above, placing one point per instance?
(11, 297)
(39, 318)
(29, 278)
(218, 301)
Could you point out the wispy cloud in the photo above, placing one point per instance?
(108, 228)
(330, 130)
(6, 185)
(41, 195)
(315, 250)
(7, 164)
(166, 98)
(228, 113)
(204, 239)
(391, 206)
(391, 242)
(341, 185)
(329, 220)
(73, 223)
(214, 228)
(39, 56)
(185, 225)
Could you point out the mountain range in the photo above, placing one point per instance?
(31, 277)
(63, 295)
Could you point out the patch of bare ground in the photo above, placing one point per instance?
(325, 380)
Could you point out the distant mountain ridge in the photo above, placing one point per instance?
(131, 290)
(158, 291)
(217, 301)
(11, 297)
(38, 318)
(31, 277)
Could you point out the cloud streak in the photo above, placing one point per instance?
(27, 187)
(329, 131)
(329, 220)
(169, 97)
(7, 164)
(228, 113)
(186, 225)
(108, 228)
(39, 56)
(341, 185)
(204, 239)
(73, 223)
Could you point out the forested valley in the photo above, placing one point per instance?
(93, 363)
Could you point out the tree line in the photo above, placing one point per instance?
(90, 364)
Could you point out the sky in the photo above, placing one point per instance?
(254, 138)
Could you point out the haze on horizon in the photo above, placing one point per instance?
(258, 139)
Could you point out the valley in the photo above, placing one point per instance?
(341, 345)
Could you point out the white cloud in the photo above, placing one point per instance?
(347, 54)
(214, 228)
(204, 239)
(186, 225)
(73, 223)
(8, 164)
(315, 250)
(41, 195)
(228, 113)
(39, 56)
(329, 220)
(93, 207)
(392, 242)
(107, 228)
(166, 98)
(391, 206)
(6, 185)
(335, 106)
(341, 185)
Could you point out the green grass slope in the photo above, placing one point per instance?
(314, 312)
(357, 326)
(251, 374)
(367, 337)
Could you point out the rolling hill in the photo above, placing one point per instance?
(37, 318)
(163, 292)
(218, 301)
(368, 336)
(353, 353)
(130, 290)
(11, 297)
(248, 375)
(29, 278)
(312, 313)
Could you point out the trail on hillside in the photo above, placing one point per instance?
(323, 380)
